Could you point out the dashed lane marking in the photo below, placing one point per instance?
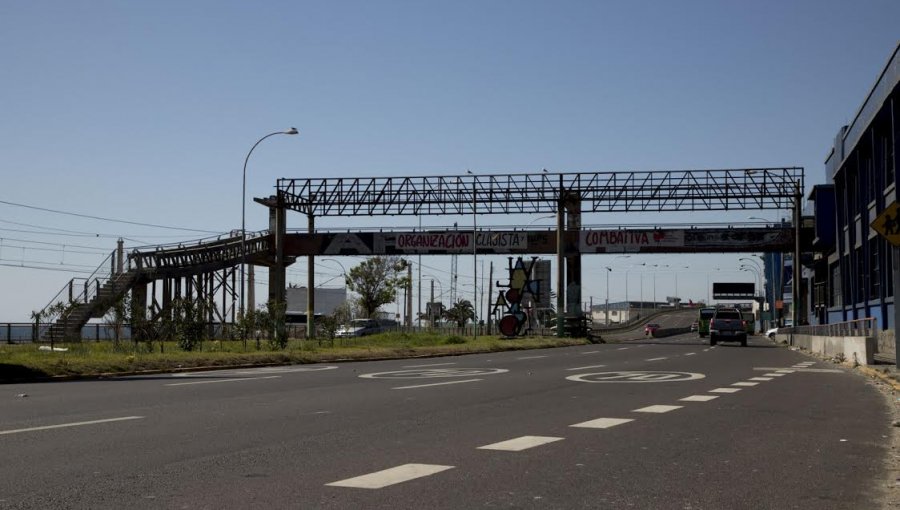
(224, 380)
(656, 359)
(656, 409)
(744, 383)
(430, 365)
(774, 374)
(591, 352)
(585, 368)
(73, 424)
(807, 370)
(434, 384)
(760, 379)
(531, 357)
(691, 354)
(392, 476)
(725, 390)
(622, 349)
(602, 423)
(520, 443)
(699, 398)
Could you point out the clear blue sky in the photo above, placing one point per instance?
(144, 111)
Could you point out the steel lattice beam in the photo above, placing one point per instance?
(675, 190)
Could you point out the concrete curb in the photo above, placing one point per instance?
(871, 372)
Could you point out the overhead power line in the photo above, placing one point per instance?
(113, 220)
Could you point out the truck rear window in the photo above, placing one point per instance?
(728, 315)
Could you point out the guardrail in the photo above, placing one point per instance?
(858, 327)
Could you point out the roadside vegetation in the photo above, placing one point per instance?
(90, 358)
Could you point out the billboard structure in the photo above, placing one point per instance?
(735, 290)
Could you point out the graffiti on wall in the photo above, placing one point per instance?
(517, 300)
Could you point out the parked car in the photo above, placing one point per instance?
(770, 333)
(650, 329)
(359, 327)
(727, 324)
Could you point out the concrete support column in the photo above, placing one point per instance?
(278, 272)
(138, 308)
(311, 286)
(560, 264)
(573, 256)
(120, 255)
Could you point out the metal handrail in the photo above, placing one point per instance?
(91, 286)
(858, 327)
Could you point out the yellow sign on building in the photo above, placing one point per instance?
(888, 223)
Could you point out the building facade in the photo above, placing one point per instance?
(852, 270)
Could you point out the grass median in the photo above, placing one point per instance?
(24, 362)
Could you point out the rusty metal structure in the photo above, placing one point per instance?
(206, 269)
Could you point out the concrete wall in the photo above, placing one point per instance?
(855, 349)
(886, 343)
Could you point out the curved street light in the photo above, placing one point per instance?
(291, 131)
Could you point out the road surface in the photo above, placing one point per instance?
(666, 423)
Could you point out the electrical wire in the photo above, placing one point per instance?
(101, 218)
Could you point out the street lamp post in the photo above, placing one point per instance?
(608, 270)
(291, 131)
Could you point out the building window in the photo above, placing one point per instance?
(887, 150)
(835, 285)
(874, 274)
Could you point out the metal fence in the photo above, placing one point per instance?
(859, 327)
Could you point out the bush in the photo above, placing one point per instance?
(455, 339)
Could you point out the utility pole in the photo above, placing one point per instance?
(409, 307)
(489, 298)
(431, 306)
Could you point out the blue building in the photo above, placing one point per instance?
(849, 272)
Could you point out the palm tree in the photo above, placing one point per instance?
(460, 312)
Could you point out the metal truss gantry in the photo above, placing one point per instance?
(566, 194)
(670, 190)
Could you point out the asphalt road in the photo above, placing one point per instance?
(685, 427)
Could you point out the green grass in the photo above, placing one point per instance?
(26, 361)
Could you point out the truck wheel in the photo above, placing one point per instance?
(744, 341)
(712, 341)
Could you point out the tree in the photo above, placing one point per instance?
(460, 312)
(377, 280)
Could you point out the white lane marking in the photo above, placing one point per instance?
(656, 409)
(284, 370)
(591, 352)
(622, 349)
(760, 379)
(743, 383)
(699, 398)
(655, 359)
(774, 374)
(585, 368)
(691, 354)
(431, 365)
(725, 390)
(801, 369)
(532, 357)
(73, 424)
(602, 423)
(224, 380)
(434, 384)
(520, 443)
(394, 475)
(705, 350)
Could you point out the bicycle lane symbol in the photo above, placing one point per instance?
(434, 373)
(635, 377)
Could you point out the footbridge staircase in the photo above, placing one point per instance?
(203, 269)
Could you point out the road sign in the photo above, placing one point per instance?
(888, 223)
